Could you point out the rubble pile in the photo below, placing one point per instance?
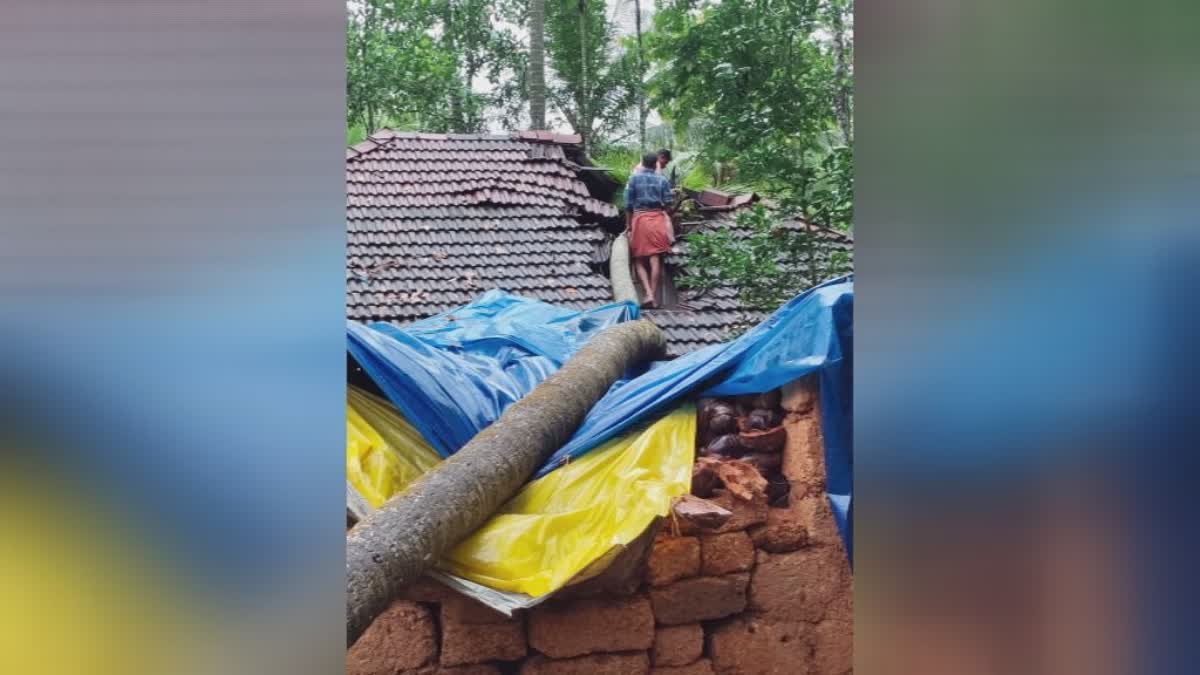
(739, 446)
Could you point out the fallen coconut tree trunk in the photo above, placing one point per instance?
(618, 271)
(394, 545)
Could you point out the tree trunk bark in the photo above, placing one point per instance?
(537, 64)
(618, 271)
(368, 16)
(455, 99)
(585, 99)
(642, 111)
(394, 545)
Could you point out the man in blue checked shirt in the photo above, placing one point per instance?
(647, 199)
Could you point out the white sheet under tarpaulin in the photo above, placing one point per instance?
(507, 602)
(502, 601)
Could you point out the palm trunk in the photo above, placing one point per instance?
(585, 118)
(618, 270)
(457, 123)
(394, 545)
(642, 111)
(369, 108)
(537, 64)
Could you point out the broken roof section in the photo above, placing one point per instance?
(433, 220)
(700, 319)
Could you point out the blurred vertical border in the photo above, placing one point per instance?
(1026, 262)
(171, 336)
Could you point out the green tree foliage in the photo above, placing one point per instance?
(618, 160)
(480, 45)
(597, 80)
(763, 259)
(759, 84)
(396, 72)
(456, 65)
(839, 17)
(415, 64)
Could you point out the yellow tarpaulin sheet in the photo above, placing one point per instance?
(383, 452)
(559, 524)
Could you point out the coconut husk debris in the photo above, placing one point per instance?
(739, 449)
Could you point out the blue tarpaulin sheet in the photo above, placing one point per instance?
(453, 374)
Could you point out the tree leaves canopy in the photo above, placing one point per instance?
(416, 64)
(757, 84)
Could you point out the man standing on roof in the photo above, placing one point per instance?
(664, 159)
(660, 166)
(647, 198)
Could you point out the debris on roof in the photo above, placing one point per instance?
(702, 319)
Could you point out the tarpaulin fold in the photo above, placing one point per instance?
(384, 453)
(453, 374)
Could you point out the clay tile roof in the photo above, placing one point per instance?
(433, 220)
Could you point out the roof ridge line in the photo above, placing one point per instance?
(387, 134)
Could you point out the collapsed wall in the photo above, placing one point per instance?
(767, 591)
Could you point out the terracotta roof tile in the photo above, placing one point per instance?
(364, 146)
(435, 219)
